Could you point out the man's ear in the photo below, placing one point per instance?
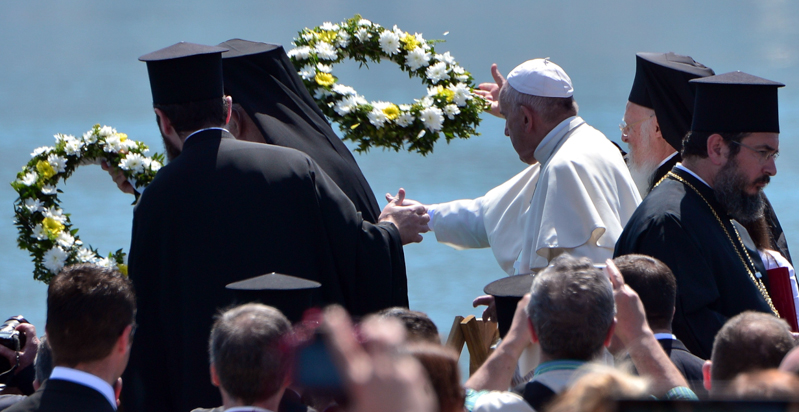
(609, 337)
(164, 123)
(533, 335)
(717, 149)
(234, 124)
(656, 127)
(229, 101)
(529, 118)
(214, 376)
(124, 340)
(706, 374)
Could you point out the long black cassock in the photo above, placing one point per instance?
(227, 210)
(674, 224)
(262, 79)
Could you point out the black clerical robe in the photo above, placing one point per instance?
(674, 224)
(227, 210)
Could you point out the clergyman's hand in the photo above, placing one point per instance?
(410, 220)
(490, 91)
(119, 178)
(490, 312)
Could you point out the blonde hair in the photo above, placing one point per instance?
(598, 388)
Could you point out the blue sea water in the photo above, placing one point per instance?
(65, 66)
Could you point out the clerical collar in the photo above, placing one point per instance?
(202, 130)
(551, 142)
(689, 171)
(86, 379)
(247, 409)
(667, 159)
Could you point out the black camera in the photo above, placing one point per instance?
(11, 338)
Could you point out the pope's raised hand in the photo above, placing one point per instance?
(490, 91)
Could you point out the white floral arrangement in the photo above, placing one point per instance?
(449, 106)
(44, 229)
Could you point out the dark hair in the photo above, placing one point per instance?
(191, 116)
(419, 327)
(88, 307)
(571, 308)
(43, 365)
(758, 230)
(655, 284)
(748, 342)
(695, 143)
(441, 364)
(245, 349)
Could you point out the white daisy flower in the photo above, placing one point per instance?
(347, 105)
(460, 73)
(363, 35)
(106, 131)
(85, 255)
(324, 68)
(377, 117)
(38, 232)
(389, 42)
(130, 144)
(325, 51)
(57, 162)
(133, 162)
(461, 95)
(433, 118)
(90, 137)
(364, 23)
(29, 178)
(49, 190)
(343, 90)
(33, 205)
(72, 146)
(106, 263)
(322, 93)
(54, 259)
(437, 72)
(40, 150)
(155, 165)
(55, 214)
(405, 119)
(328, 26)
(308, 36)
(451, 110)
(300, 53)
(307, 73)
(65, 240)
(426, 101)
(113, 143)
(446, 58)
(405, 107)
(417, 58)
(62, 137)
(420, 39)
(343, 39)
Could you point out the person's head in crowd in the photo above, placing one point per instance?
(43, 365)
(247, 363)
(748, 342)
(597, 388)
(734, 140)
(656, 286)
(91, 317)
(764, 385)
(659, 111)
(419, 326)
(441, 364)
(571, 309)
(537, 96)
(790, 363)
(187, 89)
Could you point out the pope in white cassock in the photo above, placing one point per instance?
(576, 195)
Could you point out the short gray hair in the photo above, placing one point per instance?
(244, 348)
(551, 109)
(571, 308)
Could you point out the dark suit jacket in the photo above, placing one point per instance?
(57, 395)
(227, 210)
(689, 365)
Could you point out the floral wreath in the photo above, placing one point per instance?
(44, 229)
(449, 108)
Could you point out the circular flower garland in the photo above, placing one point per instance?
(449, 107)
(44, 229)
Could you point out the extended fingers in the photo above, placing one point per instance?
(498, 78)
(616, 279)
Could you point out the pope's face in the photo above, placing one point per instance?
(516, 124)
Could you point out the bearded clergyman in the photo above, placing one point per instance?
(692, 220)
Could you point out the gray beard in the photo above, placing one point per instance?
(642, 173)
(729, 187)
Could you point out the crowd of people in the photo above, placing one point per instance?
(661, 275)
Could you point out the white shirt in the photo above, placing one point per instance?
(202, 130)
(86, 379)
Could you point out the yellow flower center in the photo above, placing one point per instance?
(45, 169)
(392, 111)
(123, 269)
(327, 36)
(409, 42)
(324, 79)
(122, 137)
(52, 227)
(446, 94)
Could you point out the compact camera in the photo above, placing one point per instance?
(11, 338)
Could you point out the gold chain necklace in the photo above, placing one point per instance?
(755, 279)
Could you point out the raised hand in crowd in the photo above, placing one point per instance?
(490, 91)
(22, 360)
(119, 178)
(411, 219)
(377, 377)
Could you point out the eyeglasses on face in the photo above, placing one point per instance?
(762, 155)
(624, 127)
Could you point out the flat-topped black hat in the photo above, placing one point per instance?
(662, 84)
(185, 72)
(290, 294)
(736, 102)
(507, 292)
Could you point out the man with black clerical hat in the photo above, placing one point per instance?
(272, 105)
(226, 210)
(692, 220)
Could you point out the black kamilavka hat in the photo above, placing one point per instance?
(662, 84)
(736, 102)
(185, 72)
(290, 294)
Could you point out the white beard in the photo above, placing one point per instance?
(642, 175)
